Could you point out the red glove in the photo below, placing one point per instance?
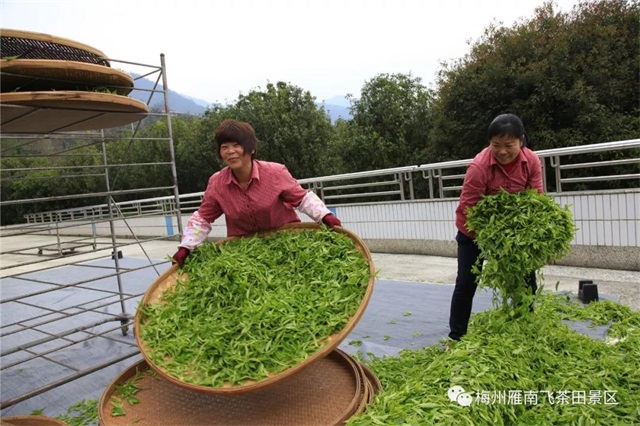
(331, 221)
(181, 255)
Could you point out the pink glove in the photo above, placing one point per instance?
(181, 255)
(331, 221)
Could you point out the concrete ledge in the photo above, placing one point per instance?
(425, 247)
(605, 257)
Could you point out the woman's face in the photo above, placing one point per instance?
(233, 155)
(505, 148)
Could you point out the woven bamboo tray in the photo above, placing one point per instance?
(366, 391)
(168, 280)
(373, 379)
(34, 75)
(327, 392)
(370, 383)
(20, 44)
(66, 111)
(31, 421)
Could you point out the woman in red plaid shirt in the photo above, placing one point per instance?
(253, 195)
(506, 163)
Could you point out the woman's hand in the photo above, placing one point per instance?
(180, 256)
(331, 221)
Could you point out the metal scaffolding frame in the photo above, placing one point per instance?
(93, 252)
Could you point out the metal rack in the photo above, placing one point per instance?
(68, 294)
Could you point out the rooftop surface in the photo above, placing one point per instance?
(409, 308)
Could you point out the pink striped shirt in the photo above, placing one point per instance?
(266, 203)
(485, 176)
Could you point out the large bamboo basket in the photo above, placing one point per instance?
(328, 392)
(66, 111)
(31, 421)
(21, 44)
(37, 75)
(168, 280)
(373, 380)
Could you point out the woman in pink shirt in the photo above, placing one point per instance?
(253, 195)
(506, 163)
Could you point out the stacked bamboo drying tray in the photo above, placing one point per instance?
(52, 84)
(327, 392)
(326, 387)
(31, 421)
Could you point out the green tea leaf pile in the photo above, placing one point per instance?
(82, 413)
(518, 233)
(537, 353)
(253, 307)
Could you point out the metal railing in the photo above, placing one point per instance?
(443, 180)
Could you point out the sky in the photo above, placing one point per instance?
(217, 49)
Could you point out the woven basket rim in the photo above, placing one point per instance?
(75, 99)
(60, 74)
(365, 386)
(169, 278)
(372, 378)
(52, 44)
(38, 420)
(350, 408)
(66, 111)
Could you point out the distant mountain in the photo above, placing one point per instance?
(200, 102)
(337, 100)
(336, 107)
(335, 111)
(177, 103)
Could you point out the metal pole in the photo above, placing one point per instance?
(174, 173)
(114, 242)
(555, 163)
(400, 179)
(409, 177)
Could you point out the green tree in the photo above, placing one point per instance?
(572, 77)
(391, 123)
(196, 152)
(188, 161)
(19, 184)
(49, 172)
(290, 127)
(132, 159)
(130, 154)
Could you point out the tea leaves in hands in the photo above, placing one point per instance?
(518, 233)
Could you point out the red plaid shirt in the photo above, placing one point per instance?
(485, 176)
(267, 202)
